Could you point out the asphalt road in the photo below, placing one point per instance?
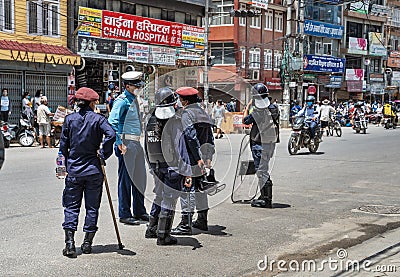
(315, 199)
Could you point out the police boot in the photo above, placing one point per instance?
(69, 249)
(151, 231)
(265, 199)
(201, 222)
(164, 230)
(185, 226)
(86, 246)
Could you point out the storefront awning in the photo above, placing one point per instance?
(37, 53)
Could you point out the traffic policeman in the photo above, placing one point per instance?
(125, 120)
(198, 136)
(169, 165)
(82, 134)
(263, 137)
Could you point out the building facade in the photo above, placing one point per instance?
(33, 51)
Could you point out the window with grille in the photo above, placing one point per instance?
(256, 20)
(7, 15)
(243, 51)
(279, 22)
(43, 17)
(224, 6)
(277, 60)
(268, 59)
(242, 20)
(254, 55)
(223, 53)
(269, 20)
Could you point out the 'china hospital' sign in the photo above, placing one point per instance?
(121, 26)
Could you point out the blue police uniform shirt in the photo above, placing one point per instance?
(124, 116)
(308, 112)
(81, 136)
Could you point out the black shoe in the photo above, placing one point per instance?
(69, 250)
(143, 217)
(262, 203)
(164, 230)
(151, 231)
(168, 240)
(86, 246)
(184, 227)
(221, 136)
(129, 221)
(216, 137)
(201, 222)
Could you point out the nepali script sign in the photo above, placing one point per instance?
(321, 29)
(323, 63)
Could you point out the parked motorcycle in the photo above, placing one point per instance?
(6, 134)
(23, 133)
(360, 124)
(301, 137)
(388, 122)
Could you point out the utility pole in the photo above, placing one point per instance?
(286, 79)
(300, 38)
(205, 71)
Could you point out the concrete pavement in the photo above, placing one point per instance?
(318, 193)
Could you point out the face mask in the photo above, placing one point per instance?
(29, 98)
(309, 104)
(179, 103)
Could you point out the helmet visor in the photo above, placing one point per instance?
(165, 112)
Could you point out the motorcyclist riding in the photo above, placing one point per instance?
(311, 114)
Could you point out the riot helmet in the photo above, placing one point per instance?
(165, 100)
(260, 95)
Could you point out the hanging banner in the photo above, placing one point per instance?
(354, 74)
(162, 55)
(323, 63)
(376, 46)
(321, 29)
(92, 47)
(138, 52)
(91, 22)
(357, 46)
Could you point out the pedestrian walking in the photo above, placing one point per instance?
(263, 138)
(325, 114)
(43, 119)
(219, 115)
(169, 163)
(6, 105)
(81, 136)
(125, 120)
(198, 136)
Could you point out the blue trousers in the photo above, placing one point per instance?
(167, 188)
(262, 154)
(313, 127)
(76, 188)
(192, 198)
(131, 180)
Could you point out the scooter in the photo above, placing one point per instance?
(23, 133)
(6, 134)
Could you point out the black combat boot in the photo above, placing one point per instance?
(185, 226)
(69, 249)
(201, 222)
(265, 199)
(151, 231)
(164, 230)
(86, 246)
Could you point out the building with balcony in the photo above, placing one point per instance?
(33, 50)
(248, 48)
(393, 36)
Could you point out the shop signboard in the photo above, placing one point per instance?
(323, 63)
(358, 46)
(376, 77)
(360, 6)
(335, 82)
(273, 83)
(193, 37)
(377, 88)
(91, 22)
(354, 86)
(393, 62)
(92, 47)
(354, 74)
(376, 46)
(322, 29)
(138, 52)
(162, 55)
(262, 4)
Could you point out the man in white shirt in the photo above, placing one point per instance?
(325, 112)
(43, 119)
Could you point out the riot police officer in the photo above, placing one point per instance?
(81, 136)
(263, 137)
(125, 120)
(198, 135)
(163, 145)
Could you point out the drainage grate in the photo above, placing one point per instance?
(380, 209)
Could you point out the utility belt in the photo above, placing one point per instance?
(130, 137)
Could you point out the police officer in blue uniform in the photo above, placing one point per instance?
(169, 165)
(198, 136)
(263, 138)
(81, 136)
(125, 120)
